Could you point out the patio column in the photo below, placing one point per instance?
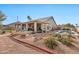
(35, 27)
(27, 27)
(16, 27)
(45, 27)
(20, 27)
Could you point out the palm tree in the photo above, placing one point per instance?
(29, 18)
(76, 24)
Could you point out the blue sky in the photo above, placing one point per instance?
(62, 13)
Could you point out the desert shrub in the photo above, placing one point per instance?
(32, 32)
(2, 31)
(66, 41)
(57, 35)
(22, 35)
(50, 42)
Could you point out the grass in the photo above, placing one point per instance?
(8, 31)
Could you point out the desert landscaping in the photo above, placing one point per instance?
(38, 36)
(38, 43)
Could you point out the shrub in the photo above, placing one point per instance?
(66, 41)
(57, 35)
(32, 32)
(50, 43)
(2, 32)
(23, 36)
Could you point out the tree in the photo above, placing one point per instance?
(69, 26)
(2, 18)
(29, 18)
(76, 24)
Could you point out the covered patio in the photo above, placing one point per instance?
(31, 26)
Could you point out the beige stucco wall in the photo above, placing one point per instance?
(51, 25)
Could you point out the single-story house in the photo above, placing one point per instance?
(43, 24)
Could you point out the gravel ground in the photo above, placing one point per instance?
(9, 46)
(62, 48)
